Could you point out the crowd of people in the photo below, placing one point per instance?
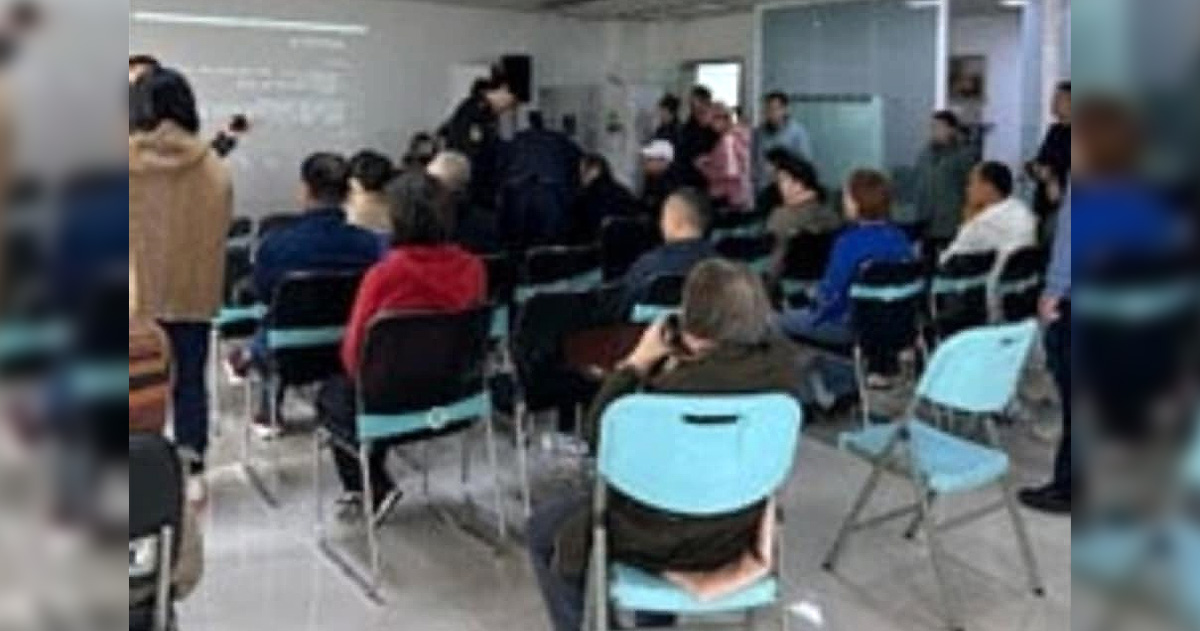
(418, 230)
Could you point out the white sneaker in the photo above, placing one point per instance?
(266, 431)
(196, 490)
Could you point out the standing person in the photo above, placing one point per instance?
(696, 138)
(669, 128)
(660, 176)
(1052, 166)
(141, 65)
(474, 131)
(778, 131)
(421, 150)
(367, 207)
(180, 208)
(539, 183)
(727, 166)
(941, 181)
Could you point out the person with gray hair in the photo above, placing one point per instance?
(724, 342)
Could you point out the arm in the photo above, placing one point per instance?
(836, 283)
(1058, 281)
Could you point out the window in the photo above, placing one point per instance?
(724, 78)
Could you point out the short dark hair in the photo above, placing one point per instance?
(702, 93)
(669, 102)
(698, 205)
(779, 96)
(726, 303)
(372, 170)
(421, 210)
(143, 60)
(596, 161)
(803, 171)
(497, 81)
(998, 175)
(872, 193)
(537, 120)
(776, 155)
(949, 118)
(1063, 87)
(159, 96)
(327, 176)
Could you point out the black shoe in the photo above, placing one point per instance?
(1048, 499)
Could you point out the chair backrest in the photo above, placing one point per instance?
(239, 268)
(1020, 284)
(808, 255)
(622, 241)
(754, 251)
(422, 362)
(699, 455)
(557, 268)
(959, 292)
(273, 222)
(886, 300)
(502, 285)
(241, 232)
(306, 323)
(665, 295)
(737, 224)
(978, 370)
(155, 512)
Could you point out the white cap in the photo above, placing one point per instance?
(659, 149)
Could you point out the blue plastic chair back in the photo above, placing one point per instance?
(978, 370)
(699, 455)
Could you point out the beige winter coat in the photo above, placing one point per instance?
(180, 206)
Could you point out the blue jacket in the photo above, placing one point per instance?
(860, 244)
(670, 259)
(320, 241)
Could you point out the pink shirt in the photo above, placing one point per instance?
(727, 169)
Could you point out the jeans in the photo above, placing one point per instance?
(564, 597)
(801, 324)
(1058, 355)
(189, 397)
(837, 378)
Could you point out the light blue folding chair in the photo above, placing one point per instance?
(690, 456)
(975, 372)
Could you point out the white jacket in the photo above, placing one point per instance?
(1003, 228)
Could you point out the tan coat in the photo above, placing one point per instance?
(180, 207)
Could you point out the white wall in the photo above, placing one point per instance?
(998, 37)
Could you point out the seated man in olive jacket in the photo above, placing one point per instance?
(725, 344)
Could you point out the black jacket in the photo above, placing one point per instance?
(695, 139)
(474, 131)
(1056, 154)
(603, 198)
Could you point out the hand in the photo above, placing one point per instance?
(1042, 172)
(650, 351)
(1054, 191)
(1048, 309)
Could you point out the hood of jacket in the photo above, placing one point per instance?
(167, 148)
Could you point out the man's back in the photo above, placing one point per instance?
(321, 240)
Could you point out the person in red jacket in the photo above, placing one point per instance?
(422, 272)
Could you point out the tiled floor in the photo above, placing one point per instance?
(264, 570)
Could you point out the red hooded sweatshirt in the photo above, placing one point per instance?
(416, 278)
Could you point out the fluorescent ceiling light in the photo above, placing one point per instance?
(923, 4)
(1014, 4)
(229, 21)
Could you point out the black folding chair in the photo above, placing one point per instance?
(958, 295)
(422, 376)
(155, 520)
(557, 269)
(622, 241)
(753, 251)
(1019, 287)
(502, 284)
(241, 232)
(663, 297)
(886, 300)
(804, 266)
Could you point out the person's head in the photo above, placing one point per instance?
(946, 128)
(990, 183)
(773, 158)
(775, 109)
(1106, 138)
(720, 118)
(724, 304)
(1062, 102)
(325, 180)
(657, 157)
(421, 149)
(140, 65)
(370, 172)
(498, 93)
(162, 96)
(799, 184)
(537, 121)
(699, 100)
(594, 167)
(668, 109)
(684, 216)
(868, 196)
(421, 210)
(453, 170)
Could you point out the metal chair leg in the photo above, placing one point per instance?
(914, 527)
(497, 501)
(369, 513)
(864, 394)
(860, 504)
(600, 562)
(520, 415)
(937, 555)
(1031, 565)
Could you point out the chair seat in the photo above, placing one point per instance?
(632, 589)
(950, 464)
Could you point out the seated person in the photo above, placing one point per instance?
(803, 208)
(660, 176)
(683, 224)
(872, 237)
(321, 240)
(601, 197)
(474, 227)
(367, 206)
(424, 271)
(995, 221)
(768, 198)
(726, 344)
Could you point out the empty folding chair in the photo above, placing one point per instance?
(753, 251)
(958, 295)
(1020, 283)
(305, 326)
(155, 519)
(695, 457)
(975, 372)
(622, 241)
(886, 301)
(663, 297)
(804, 266)
(556, 268)
(422, 376)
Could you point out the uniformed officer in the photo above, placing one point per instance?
(474, 130)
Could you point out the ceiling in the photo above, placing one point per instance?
(649, 10)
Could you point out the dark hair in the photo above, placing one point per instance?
(537, 121)
(327, 176)
(702, 93)
(698, 205)
(597, 161)
(776, 155)
(497, 81)
(779, 96)
(949, 118)
(143, 60)
(726, 303)
(1108, 132)
(998, 175)
(372, 169)
(421, 210)
(1063, 87)
(162, 95)
(670, 102)
(802, 171)
(872, 193)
